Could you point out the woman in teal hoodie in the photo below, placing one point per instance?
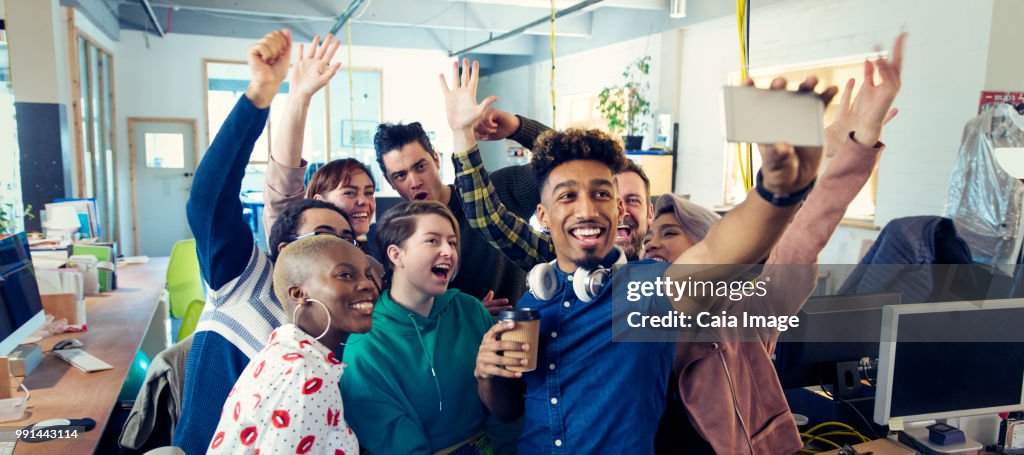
(409, 381)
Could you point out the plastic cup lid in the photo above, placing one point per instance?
(519, 314)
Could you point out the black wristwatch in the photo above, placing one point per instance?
(782, 200)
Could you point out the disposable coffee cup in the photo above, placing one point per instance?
(527, 330)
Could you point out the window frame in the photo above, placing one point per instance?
(84, 123)
(762, 76)
(329, 152)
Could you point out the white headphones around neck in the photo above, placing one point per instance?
(586, 283)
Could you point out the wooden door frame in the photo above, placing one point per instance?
(132, 159)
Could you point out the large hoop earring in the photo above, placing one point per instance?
(295, 313)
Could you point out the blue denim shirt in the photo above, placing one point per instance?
(589, 394)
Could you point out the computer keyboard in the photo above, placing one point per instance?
(81, 360)
(8, 439)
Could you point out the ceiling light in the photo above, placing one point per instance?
(677, 9)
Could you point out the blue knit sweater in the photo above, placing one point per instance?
(240, 305)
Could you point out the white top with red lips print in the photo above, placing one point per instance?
(286, 401)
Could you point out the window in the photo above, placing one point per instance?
(337, 126)
(92, 87)
(354, 116)
(835, 73)
(332, 119)
(225, 83)
(165, 150)
(580, 111)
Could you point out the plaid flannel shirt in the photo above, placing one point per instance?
(503, 229)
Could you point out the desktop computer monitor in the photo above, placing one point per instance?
(833, 329)
(21, 309)
(952, 359)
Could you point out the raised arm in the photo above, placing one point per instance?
(854, 136)
(286, 168)
(224, 242)
(749, 231)
(516, 185)
(503, 229)
(496, 125)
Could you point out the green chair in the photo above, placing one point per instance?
(184, 282)
(191, 319)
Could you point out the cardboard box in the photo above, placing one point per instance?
(65, 306)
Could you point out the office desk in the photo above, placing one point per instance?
(117, 322)
(879, 447)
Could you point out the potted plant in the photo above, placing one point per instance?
(9, 217)
(626, 106)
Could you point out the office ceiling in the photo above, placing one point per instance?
(450, 25)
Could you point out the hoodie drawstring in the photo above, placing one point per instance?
(430, 360)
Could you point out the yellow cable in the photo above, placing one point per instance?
(740, 148)
(853, 434)
(742, 165)
(553, 102)
(750, 170)
(819, 438)
(825, 424)
(351, 90)
(740, 20)
(743, 160)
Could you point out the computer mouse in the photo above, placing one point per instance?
(67, 344)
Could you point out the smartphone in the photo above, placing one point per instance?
(761, 116)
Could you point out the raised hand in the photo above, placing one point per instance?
(460, 100)
(786, 169)
(873, 101)
(493, 305)
(268, 60)
(871, 109)
(495, 125)
(313, 69)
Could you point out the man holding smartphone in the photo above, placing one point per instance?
(568, 400)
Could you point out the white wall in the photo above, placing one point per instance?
(944, 71)
(526, 90)
(41, 47)
(1005, 69)
(38, 55)
(165, 79)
